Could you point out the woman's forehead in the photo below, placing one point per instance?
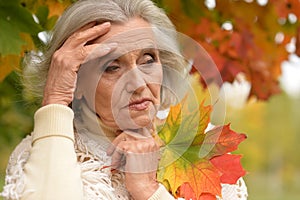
(135, 38)
(136, 33)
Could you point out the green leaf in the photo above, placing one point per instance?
(10, 40)
(14, 19)
(42, 14)
(19, 17)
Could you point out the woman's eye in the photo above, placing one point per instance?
(110, 69)
(148, 59)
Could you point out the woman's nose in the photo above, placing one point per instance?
(134, 80)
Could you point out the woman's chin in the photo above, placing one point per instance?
(136, 122)
(142, 121)
(143, 118)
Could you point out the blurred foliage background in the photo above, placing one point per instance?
(270, 151)
(244, 37)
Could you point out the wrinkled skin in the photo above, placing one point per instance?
(127, 94)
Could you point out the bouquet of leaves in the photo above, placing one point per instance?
(195, 163)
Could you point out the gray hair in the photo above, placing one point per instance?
(116, 11)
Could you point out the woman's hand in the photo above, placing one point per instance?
(138, 157)
(65, 63)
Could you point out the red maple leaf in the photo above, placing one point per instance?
(230, 166)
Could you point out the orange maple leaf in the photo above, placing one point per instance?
(194, 163)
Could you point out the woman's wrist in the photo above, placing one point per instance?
(47, 101)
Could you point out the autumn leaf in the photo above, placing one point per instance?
(202, 176)
(220, 140)
(192, 165)
(194, 122)
(230, 167)
(187, 192)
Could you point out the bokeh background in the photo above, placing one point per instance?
(255, 45)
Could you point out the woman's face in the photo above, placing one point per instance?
(128, 91)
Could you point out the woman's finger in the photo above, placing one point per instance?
(93, 51)
(120, 138)
(82, 36)
(135, 156)
(84, 28)
(118, 158)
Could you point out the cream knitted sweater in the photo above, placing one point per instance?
(56, 164)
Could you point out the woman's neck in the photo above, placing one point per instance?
(110, 132)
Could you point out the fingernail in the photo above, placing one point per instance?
(109, 47)
(106, 24)
(92, 23)
(112, 45)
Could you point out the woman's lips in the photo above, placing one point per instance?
(139, 105)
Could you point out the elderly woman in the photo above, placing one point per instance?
(106, 60)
